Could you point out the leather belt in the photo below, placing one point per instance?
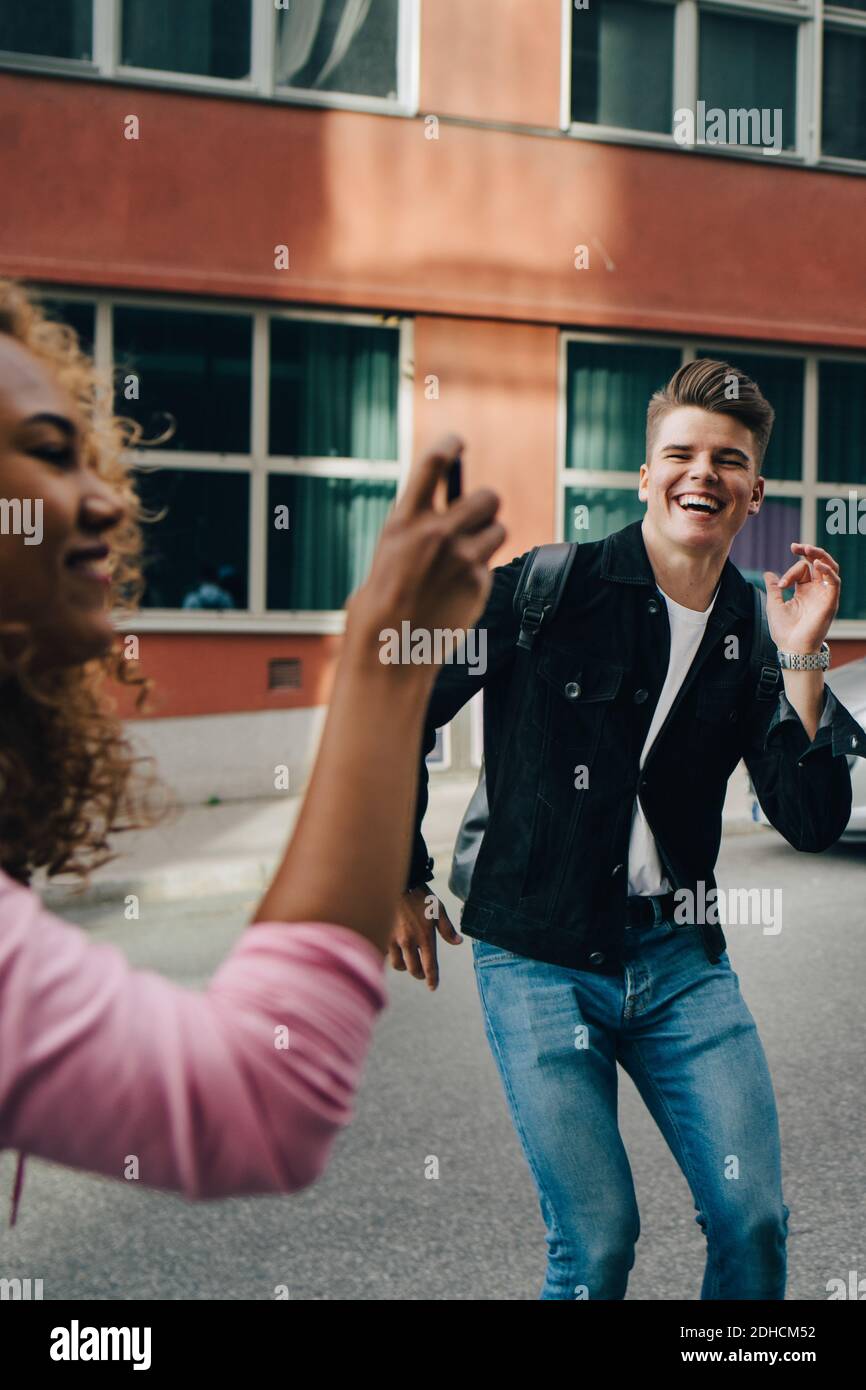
(640, 911)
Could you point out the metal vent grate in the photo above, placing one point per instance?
(284, 674)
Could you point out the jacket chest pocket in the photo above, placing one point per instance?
(573, 696)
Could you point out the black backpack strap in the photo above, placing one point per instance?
(540, 587)
(536, 598)
(765, 672)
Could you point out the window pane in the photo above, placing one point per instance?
(750, 64)
(209, 37)
(608, 392)
(835, 531)
(843, 125)
(764, 543)
(51, 31)
(841, 421)
(622, 65)
(781, 381)
(333, 390)
(339, 46)
(197, 556)
(80, 316)
(194, 367)
(591, 513)
(326, 551)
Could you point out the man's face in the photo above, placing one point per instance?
(702, 480)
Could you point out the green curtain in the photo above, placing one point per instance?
(609, 508)
(841, 422)
(622, 65)
(334, 524)
(607, 392)
(843, 122)
(207, 37)
(849, 550)
(58, 30)
(841, 442)
(334, 390)
(749, 63)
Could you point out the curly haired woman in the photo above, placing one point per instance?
(99, 1061)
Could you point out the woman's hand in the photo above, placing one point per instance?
(430, 566)
(349, 855)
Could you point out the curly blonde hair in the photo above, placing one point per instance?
(69, 777)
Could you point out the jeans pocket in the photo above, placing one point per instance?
(485, 953)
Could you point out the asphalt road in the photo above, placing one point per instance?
(376, 1228)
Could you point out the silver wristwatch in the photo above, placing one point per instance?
(811, 661)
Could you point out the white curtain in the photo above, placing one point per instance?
(299, 26)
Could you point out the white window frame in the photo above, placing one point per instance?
(106, 65)
(258, 463)
(811, 18)
(808, 490)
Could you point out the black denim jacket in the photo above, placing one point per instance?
(551, 878)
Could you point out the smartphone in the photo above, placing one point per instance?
(455, 480)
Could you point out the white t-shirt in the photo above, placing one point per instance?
(645, 872)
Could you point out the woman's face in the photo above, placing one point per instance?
(57, 517)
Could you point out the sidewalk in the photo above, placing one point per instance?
(202, 851)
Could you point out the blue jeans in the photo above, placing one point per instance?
(681, 1029)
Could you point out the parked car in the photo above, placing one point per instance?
(849, 683)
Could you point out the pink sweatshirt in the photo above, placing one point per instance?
(101, 1064)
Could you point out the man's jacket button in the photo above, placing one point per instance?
(572, 690)
(597, 958)
(652, 606)
(616, 871)
(640, 696)
(855, 742)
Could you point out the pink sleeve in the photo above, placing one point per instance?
(242, 1088)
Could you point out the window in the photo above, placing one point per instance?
(750, 65)
(208, 37)
(811, 468)
(188, 369)
(339, 46)
(49, 31)
(333, 393)
(844, 106)
(724, 70)
(77, 314)
(197, 553)
(608, 390)
(325, 551)
(622, 65)
(331, 389)
(842, 394)
(259, 512)
(353, 53)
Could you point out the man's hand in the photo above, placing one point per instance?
(413, 945)
(801, 624)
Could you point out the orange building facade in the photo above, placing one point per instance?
(534, 269)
